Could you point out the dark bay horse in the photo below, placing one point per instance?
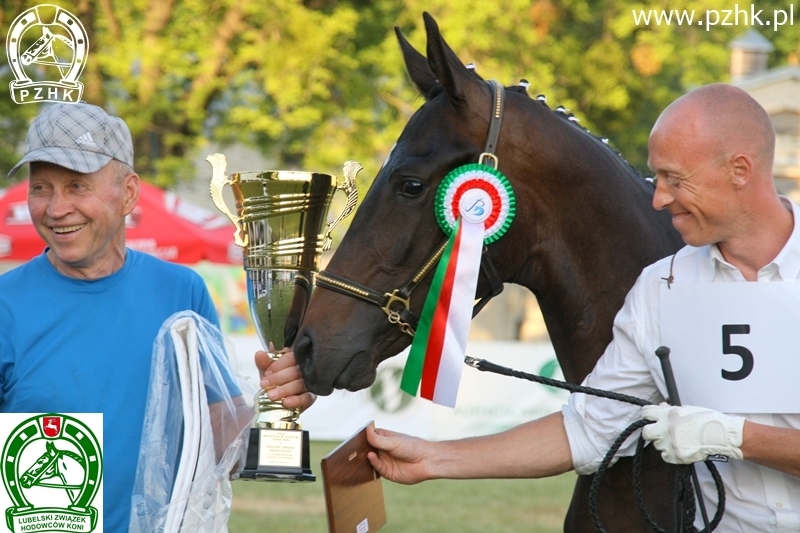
(584, 230)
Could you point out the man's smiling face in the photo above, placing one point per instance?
(82, 216)
(693, 179)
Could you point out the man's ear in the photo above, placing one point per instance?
(743, 168)
(130, 188)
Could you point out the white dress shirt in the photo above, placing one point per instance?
(757, 498)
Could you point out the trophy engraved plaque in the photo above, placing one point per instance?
(280, 222)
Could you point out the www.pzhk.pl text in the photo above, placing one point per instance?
(737, 16)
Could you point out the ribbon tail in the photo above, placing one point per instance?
(412, 373)
(435, 362)
(465, 283)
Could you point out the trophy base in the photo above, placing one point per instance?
(267, 475)
(277, 455)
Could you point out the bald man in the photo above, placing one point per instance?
(712, 152)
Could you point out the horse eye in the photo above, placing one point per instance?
(411, 188)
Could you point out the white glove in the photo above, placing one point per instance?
(686, 435)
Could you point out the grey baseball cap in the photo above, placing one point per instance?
(81, 137)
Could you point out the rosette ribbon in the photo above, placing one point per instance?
(474, 205)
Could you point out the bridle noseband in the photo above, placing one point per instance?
(397, 304)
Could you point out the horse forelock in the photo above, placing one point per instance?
(438, 89)
(437, 132)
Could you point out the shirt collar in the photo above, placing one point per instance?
(788, 259)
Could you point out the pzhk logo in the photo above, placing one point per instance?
(52, 466)
(58, 48)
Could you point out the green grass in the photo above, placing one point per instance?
(441, 506)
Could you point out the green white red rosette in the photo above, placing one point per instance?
(475, 206)
(485, 184)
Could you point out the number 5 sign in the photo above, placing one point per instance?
(735, 347)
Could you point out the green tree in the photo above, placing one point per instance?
(314, 83)
(274, 74)
(590, 56)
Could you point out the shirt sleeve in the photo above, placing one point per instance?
(593, 423)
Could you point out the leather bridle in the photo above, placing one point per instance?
(397, 304)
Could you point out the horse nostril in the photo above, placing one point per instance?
(302, 354)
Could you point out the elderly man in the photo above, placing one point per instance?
(79, 320)
(712, 152)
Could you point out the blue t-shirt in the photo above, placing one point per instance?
(75, 346)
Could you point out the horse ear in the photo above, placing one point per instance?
(416, 65)
(457, 81)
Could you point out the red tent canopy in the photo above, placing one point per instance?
(161, 224)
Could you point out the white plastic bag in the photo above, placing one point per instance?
(193, 437)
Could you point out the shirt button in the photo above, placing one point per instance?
(778, 504)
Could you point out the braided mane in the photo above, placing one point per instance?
(560, 111)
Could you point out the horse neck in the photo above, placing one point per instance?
(591, 232)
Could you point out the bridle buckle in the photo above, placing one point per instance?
(392, 298)
(493, 161)
(394, 316)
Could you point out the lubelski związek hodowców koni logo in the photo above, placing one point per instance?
(47, 48)
(52, 467)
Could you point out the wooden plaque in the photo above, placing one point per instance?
(353, 490)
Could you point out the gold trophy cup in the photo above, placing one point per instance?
(279, 223)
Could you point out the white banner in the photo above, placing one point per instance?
(487, 403)
(735, 347)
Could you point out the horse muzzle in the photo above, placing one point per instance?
(346, 368)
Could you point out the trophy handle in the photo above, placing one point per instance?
(351, 169)
(218, 181)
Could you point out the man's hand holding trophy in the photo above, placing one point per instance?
(281, 224)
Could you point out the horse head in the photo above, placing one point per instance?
(569, 225)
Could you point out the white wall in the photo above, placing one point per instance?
(487, 403)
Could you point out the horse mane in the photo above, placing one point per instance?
(564, 114)
(560, 111)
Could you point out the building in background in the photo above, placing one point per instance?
(778, 91)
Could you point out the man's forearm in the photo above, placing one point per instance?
(774, 447)
(536, 449)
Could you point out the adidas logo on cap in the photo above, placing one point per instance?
(86, 139)
(81, 137)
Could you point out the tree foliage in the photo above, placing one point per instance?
(311, 84)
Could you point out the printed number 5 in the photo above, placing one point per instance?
(741, 351)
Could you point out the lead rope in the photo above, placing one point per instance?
(684, 492)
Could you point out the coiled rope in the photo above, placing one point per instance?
(684, 492)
